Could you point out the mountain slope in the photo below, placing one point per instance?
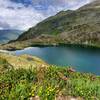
(8, 35)
(85, 20)
(68, 27)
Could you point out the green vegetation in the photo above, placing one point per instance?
(21, 84)
(48, 83)
(25, 77)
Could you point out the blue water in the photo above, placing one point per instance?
(83, 59)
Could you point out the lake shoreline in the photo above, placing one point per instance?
(2, 47)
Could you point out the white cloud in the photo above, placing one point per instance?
(20, 17)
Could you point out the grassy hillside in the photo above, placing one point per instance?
(43, 81)
(83, 22)
(78, 26)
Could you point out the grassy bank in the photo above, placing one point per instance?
(48, 84)
(27, 78)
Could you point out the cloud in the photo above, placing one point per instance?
(19, 16)
(4, 25)
(22, 14)
(68, 4)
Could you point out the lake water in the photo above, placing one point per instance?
(83, 59)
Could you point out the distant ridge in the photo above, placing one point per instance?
(7, 35)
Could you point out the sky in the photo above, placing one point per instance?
(23, 14)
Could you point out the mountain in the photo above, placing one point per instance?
(81, 26)
(83, 21)
(8, 35)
